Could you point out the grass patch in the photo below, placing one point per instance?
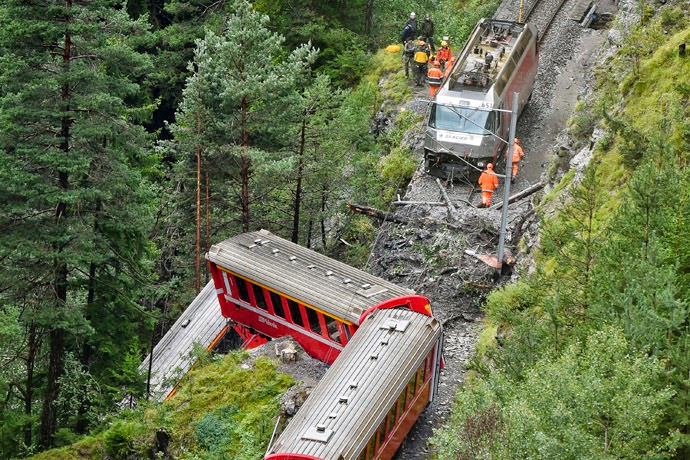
(224, 409)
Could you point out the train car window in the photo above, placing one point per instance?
(313, 318)
(295, 312)
(380, 435)
(259, 296)
(363, 455)
(242, 290)
(401, 404)
(420, 378)
(528, 34)
(410, 390)
(277, 304)
(390, 420)
(371, 448)
(332, 328)
(349, 330)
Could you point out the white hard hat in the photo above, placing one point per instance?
(412, 14)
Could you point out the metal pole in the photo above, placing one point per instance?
(509, 173)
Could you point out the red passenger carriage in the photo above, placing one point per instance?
(270, 287)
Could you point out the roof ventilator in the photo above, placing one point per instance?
(398, 325)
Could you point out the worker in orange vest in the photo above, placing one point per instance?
(488, 181)
(444, 55)
(434, 77)
(518, 155)
(449, 66)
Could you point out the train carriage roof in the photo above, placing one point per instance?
(326, 284)
(356, 393)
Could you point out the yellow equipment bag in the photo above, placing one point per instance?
(393, 49)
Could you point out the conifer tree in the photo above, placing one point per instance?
(243, 91)
(73, 203)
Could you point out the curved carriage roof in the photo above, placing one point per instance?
(315, 279)
(361, 386)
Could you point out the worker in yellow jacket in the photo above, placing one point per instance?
(421, 58)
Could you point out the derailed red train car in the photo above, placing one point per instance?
(469, 120)
(372, 395)
(270, 287)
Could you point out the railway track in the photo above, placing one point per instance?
(543, 14)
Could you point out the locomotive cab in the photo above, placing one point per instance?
(460, 139)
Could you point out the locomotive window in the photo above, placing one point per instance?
(242, 290)
(464, 120)
(260, 296)
(295, 313)
(332, 328)
(277, 303)
(313, 318)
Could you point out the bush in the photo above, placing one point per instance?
(123, 441)
(398, 166)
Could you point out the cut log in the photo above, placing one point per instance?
(377, 213)
(523, 193)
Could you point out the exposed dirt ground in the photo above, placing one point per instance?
(438, 252)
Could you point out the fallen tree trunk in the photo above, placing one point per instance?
(451, 207)
(428, 203)
(377, 213)
(518, 196)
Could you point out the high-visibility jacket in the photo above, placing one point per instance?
(488, 180)
(421, 54)
(444, 54)
(449, 65)
(518, 153)
(434, 76)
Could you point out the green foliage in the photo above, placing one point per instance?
(223, 410)
(125, 440)
(398, 167)
(674, 18)
(581, 124)
(594, 401)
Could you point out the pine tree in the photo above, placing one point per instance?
(74, 206)
(235, 115)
